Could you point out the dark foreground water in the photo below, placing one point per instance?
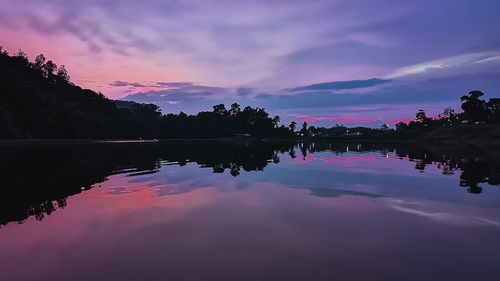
(247, 211)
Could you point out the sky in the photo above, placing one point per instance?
(361, 62)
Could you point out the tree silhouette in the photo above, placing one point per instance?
(473, 107)
(62, 73)
(235, 109)
(49, 68)
(292, 126)
(312, 129)
(401, 126)
(448, 117)
(421, 116)
(303, 130)
(494, 110)
(220, 109)
(39, 62)
(276, 121)
(20, 54)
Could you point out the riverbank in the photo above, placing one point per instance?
(470, 134)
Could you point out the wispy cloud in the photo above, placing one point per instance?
(258, 43)
(126, 84)
(341, 85)
(447, 63)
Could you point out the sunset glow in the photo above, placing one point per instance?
(291, 57)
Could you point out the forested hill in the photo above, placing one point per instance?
(39, 101)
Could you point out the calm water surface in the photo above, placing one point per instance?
(248, 211)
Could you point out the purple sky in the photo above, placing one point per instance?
(290, 57)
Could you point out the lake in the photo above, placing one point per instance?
(199, 210)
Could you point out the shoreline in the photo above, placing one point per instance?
(422, 140)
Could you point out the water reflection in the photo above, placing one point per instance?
(249, 211)
(38, 179)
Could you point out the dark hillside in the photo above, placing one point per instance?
(39, 103)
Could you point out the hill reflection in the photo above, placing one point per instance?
(38, 179)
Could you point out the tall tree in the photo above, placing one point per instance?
(39, 62)
(448, 116)
(21, 55)
(220, 109)
(49, 68)
(304, 128)
(473, 107)
(276, 121)
(62, 73)
(235, 109)
(421, 116)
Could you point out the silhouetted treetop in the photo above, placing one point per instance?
(62, 73)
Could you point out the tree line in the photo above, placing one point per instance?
(479, 117)
(475, 112)
(40, 101)
(220, 122)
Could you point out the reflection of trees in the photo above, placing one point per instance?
(475, 172)
(447, 168)
(292, 153)
(46, 208)
(475, 166)
(420, 165)
(39, 179)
